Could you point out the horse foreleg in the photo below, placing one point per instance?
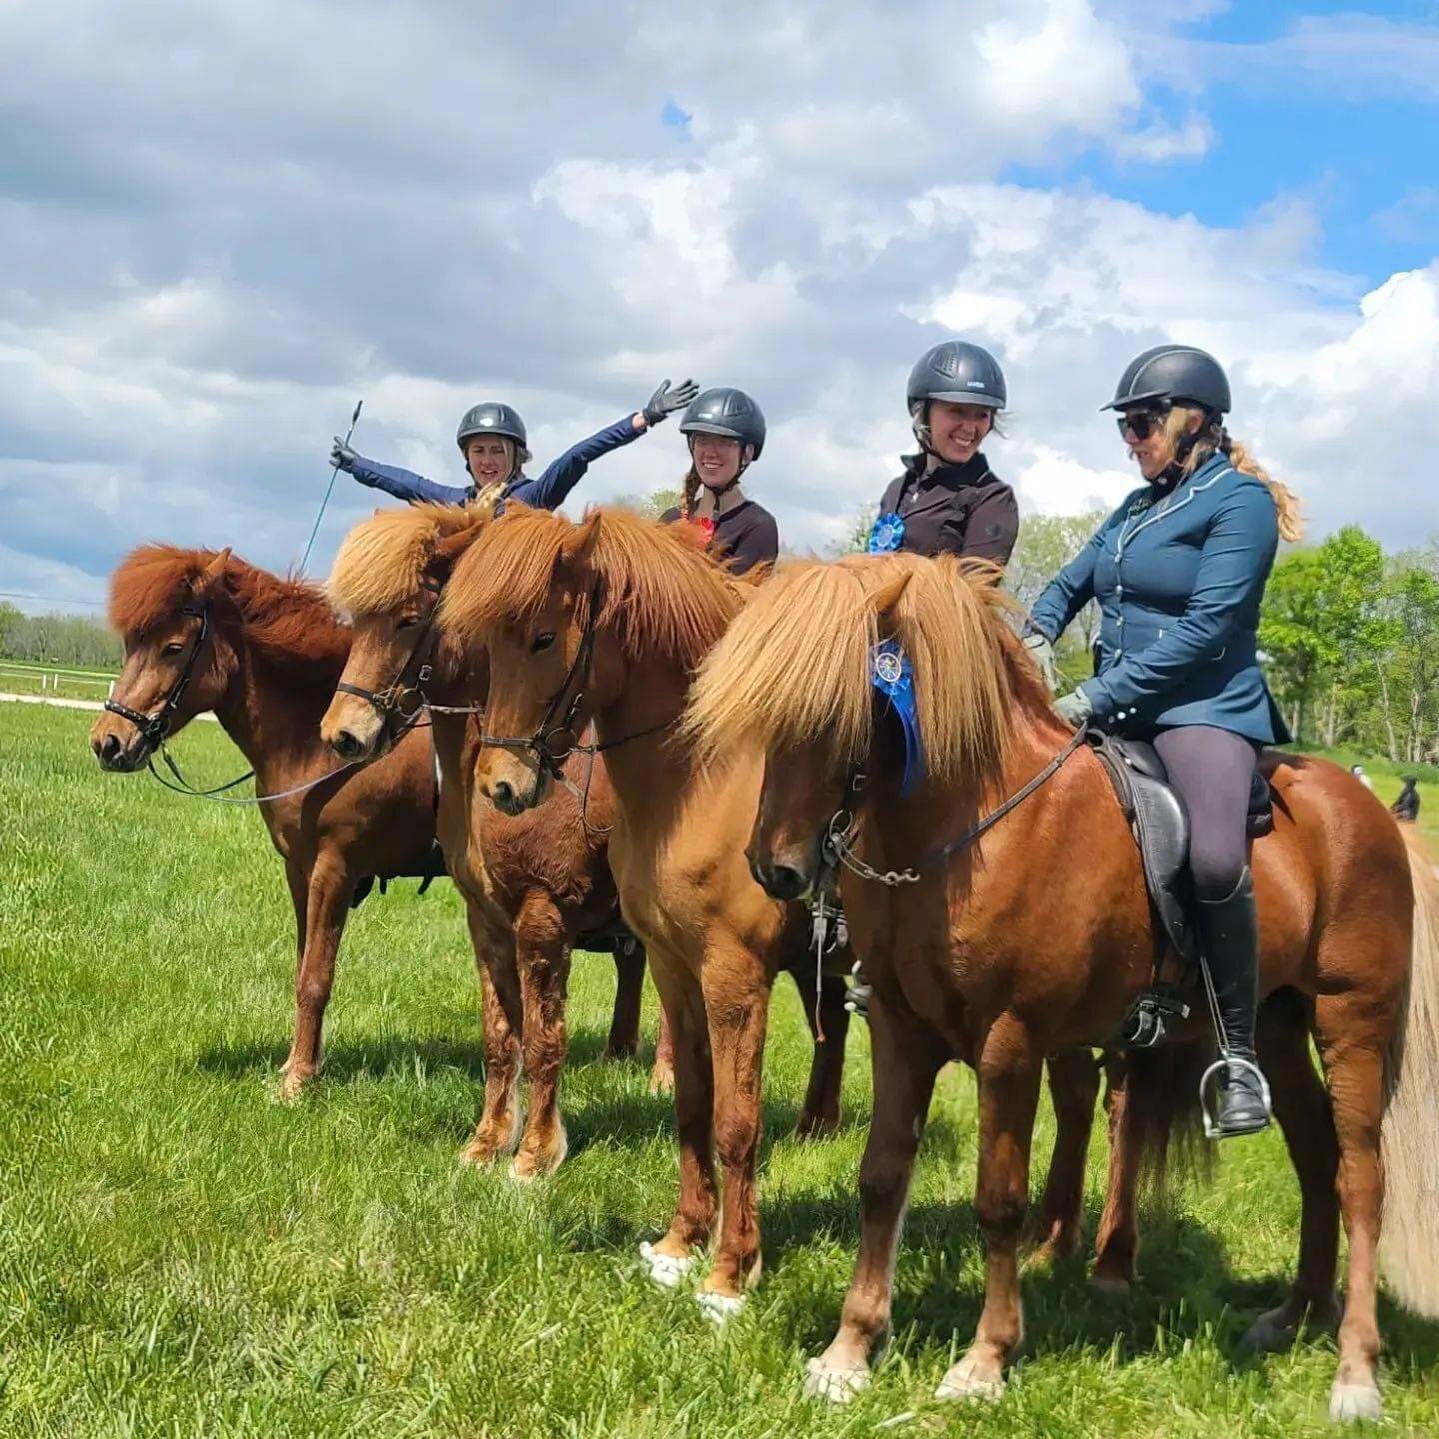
(821, 1113)
(662, 1075)
(1302, 1108)
(498, 1130)
(1009, 1078)
(905, 1058)
(624, 1038)
(668, 1260)
(327, 902)
(1354, 1061)
(542, 958)
(1073, 1088)
(736, 994)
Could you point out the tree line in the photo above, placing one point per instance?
(70, 640)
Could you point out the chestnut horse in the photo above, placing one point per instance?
(607, 621)
(204, 631)
(1038, 936)
(533, 886)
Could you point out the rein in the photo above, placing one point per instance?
(835, 847)
(154, 730)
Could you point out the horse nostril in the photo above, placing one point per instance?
(346, 745)
(503, 795)
(783, 881)
(107, 750)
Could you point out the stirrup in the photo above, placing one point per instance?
(1150, 1017)
(1209, 1093)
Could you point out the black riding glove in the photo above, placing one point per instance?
(342, 456)
(665, 401)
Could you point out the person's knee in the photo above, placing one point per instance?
(1216, 867)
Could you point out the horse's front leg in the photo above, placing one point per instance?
(671, 1258)
(624, 1038)
(1009, 1077)
(906, 1056)
(542, 957)
(327, 903)
(498, 1130)
(736, 993)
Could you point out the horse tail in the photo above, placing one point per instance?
(1163, 1120)
(1409, 1245)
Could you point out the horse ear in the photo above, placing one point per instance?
(213, 575)
(450, 548)
(578, 546)
(885, 599)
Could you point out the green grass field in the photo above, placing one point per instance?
(179, 1255)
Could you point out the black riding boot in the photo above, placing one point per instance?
(1229, 931)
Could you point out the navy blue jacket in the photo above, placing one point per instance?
(1179, 578)
(547, 492)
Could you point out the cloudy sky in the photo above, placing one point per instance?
(221, 225)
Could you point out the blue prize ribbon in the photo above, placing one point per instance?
(892, 675)
(886, 535)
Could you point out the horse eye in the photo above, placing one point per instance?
(173, 648)
(542, 642)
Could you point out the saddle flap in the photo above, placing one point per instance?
(1160, 825)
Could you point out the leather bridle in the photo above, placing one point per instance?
(155, 726)
(398, 697)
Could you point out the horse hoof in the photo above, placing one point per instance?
(291, 1086)
(817, 1126)
(526, 1168)
(665, 1270)
(1269, 1334)
(719, 1309)
(834, 1386)
(966, 1380)
(662, 1080)
(1348, 1402)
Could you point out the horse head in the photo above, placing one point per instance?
(163, 603)
(388, 578)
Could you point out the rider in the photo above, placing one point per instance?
(1179, 571)
(492, 441)
(948, 501)
(725, 430)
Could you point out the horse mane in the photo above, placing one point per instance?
(381, 560)
(285, 619)
(662, 595)
(794, 667)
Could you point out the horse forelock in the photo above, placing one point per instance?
(661, 594)
(381, 560)
(795, 667)
(152, 584)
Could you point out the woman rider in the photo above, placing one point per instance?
(726, 430)
(1179, 571)
(948, 501)
(492, 441)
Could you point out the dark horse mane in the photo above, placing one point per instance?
(285, 621)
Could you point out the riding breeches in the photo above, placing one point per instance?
(1211, 769)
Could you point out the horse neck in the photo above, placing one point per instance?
(275, 722)
(652, 774)
(455, 679)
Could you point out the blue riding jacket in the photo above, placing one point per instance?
(547, 492)
(1179, 578)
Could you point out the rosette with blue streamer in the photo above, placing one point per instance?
(886, 534)
(891, 673)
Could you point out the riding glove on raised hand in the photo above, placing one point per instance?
(342, 456)
(666, 400)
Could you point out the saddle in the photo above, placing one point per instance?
(1160, 826)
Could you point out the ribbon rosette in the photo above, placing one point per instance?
(893, 676)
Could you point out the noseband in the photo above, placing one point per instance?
(398, 698)
(154, 726)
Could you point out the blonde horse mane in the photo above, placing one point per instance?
(661, 593)
(381, 560)
(794, 668)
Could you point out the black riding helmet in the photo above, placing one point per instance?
(729, 413)
(1174, 374)
(493, 418)
(957, 371)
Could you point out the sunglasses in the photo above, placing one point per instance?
(1141, 423)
